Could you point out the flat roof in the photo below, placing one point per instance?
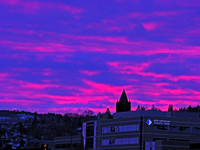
(173, 114)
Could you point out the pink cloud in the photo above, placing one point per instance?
(186, 77)
(175, 91)
(89, 73)
(50, 48)
(166, 13)
(154, 93)
(102, 110)
(111, 25)
(95, 94)
(195, 31)
(77, 110)
(27, 32)
(20, 102)
(34, 6)
(117, 45)
(141, 102)
(126, 68)
(122, 40)
(140, 15)
(105, 88)
(21, 69)
(3, 76)
(137, 15)
(43, 47)
(72, 99)
(150, 26)
(161, 84)
(38, 86)
(177, 102)
(181, 40)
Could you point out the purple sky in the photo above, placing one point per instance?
(70, 56)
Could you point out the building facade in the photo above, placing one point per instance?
(73, 142)
(136, 130)
(149, 130)
(89, 131)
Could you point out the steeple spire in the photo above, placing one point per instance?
(123, 98)
(123, 104)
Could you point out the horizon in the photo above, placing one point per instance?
(72, 56)
(96, 113)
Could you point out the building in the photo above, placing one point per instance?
(123, 104)
(149, 130)
(73, 142)
(89, 131)
(136, 130)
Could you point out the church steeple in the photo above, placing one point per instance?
(123, 104)
(123, 98)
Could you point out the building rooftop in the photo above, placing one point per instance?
(173, 114)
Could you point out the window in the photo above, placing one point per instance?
(159, 139)
(111, 141)
(90, 131)
(174, 128)
(90, 123)
(196, 129)
(112, 129)
(89, 143)
(57, 146)
(63, 146)
(106, 130)
(125, 128)
(160, 127)
(121, 141)
(105, 142)
(179, 140)
(186, 129)
(75, 145)
(149, 145)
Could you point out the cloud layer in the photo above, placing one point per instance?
(72, 56)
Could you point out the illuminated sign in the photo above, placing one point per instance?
(149, 122)
(161, 122)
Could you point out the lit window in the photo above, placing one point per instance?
(121, 141)
(125, 128)
(105, 142)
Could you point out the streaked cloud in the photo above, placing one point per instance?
(78, 55)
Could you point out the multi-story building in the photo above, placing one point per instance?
(137, 130)
(89, 131)
(73, 142)
(142, 130)
(149, 130)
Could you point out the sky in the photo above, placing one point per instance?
(74, 55)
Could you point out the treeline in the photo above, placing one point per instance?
(44, 126)
(190, 109)
(10, 113)
(171, 108)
